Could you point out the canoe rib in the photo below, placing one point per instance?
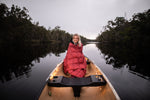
(106, 92)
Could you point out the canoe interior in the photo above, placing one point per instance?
(87, 93)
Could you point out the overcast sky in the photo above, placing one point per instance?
(85, 17)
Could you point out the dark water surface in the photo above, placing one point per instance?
(24, 70)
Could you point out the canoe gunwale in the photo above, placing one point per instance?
(53, 71)
(91, 62)
(108, 82)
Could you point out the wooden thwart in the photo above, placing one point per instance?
(66, 90)
(76, 83)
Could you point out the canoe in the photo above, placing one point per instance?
(105, 92)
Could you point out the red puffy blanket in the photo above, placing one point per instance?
(74, 62)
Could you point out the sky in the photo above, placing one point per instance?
(85, 17)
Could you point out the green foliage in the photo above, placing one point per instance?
(133, 33)
(127, 42)
(16, 27)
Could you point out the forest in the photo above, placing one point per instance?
(127, 42)
(16, 26)
(132, 33)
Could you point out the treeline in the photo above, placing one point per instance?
(133, 32)
(16, 27)
(127, 42)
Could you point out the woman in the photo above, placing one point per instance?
(74, 62)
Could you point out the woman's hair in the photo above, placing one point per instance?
(79, 42)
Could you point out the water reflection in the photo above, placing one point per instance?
(16, 60)
(25, 67)
(135, 60)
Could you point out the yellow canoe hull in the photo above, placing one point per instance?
(106, 92)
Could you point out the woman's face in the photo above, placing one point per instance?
(75, 39)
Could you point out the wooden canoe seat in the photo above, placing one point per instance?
(76, 83)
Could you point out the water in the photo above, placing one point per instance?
(24, 70)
